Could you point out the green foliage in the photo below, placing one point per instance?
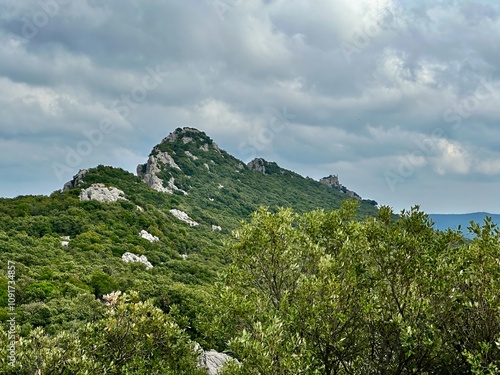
(41, 291)
(323, 293)
(103, 284)
(132, 338)
(313, 284)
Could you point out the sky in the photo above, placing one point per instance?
(400, 99)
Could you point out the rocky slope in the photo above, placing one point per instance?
(159, 233)
(188, 162)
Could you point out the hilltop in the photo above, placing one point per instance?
(194, 175)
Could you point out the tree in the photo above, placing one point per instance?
(322, 293)
(134, 338)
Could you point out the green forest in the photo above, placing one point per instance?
(298, 280)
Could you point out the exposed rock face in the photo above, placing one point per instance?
(216, 147)
(333, 182)
(148, 236)
(101, 193)
(130, 257)
(212, 361)
(184, 217)
(76, 181)
(191, 155)
(166, 159)
(172, 137)
(216, 227)
(148, 172)
(204, 147)
(258, 165)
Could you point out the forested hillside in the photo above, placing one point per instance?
(124, 274)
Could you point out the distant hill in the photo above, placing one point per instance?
(452, 221)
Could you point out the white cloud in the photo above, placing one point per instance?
(452, 158)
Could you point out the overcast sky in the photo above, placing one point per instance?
(400, 99)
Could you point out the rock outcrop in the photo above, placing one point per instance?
(258, 164)
(266, 167)
(148, 236)
(76, 181)
(194, 157)
(65, 240)
(212, 361)
(333, 182)
(184, 217)
(130, 257)
(101, 193)
(148, 172)
(216, 147)
(172, 137)
(216, 227)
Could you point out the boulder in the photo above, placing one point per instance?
(130, 257)
(191, 155)
(332, 181)
(76, 181)
(184, 217)
(258, 164)
(65, 240)
(148, 236)
(212, 361)
(101, 193)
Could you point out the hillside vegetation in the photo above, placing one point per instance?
(282, 272)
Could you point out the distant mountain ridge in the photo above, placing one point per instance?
(453, 221)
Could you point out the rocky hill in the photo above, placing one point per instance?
(216, 189)
(159, 232)
(140, 274)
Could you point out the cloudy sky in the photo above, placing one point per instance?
(400, 98)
